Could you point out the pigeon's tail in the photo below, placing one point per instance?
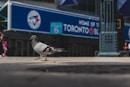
(53, 50)
(57, 50)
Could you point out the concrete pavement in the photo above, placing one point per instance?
(58, 72)
(68, 60)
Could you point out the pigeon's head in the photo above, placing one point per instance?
(33, 37)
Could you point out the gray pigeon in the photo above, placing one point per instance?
(43, 49)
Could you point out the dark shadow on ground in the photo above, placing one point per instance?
(96, 69)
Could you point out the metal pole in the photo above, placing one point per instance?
(9, 16)
(108, 34)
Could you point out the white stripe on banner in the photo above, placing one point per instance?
(62, 2)
(120, 3)
(68, 2)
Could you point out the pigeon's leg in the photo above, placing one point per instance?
(40, 55)
(46, 58)
(38, 58)
(45, 55)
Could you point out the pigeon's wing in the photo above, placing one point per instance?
(40, 47)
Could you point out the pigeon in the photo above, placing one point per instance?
(43, 49)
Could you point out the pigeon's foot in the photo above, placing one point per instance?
(45, 60)
(38, 58)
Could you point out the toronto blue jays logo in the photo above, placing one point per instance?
(34, 19)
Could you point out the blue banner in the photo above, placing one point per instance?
(127, 32)
(50, 21)
(43, 20)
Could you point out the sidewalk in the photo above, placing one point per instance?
(68, 60)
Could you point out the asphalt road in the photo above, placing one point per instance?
(64, 72)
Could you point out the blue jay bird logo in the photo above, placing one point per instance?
(34, 19)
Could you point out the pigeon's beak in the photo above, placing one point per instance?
(31, 39)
